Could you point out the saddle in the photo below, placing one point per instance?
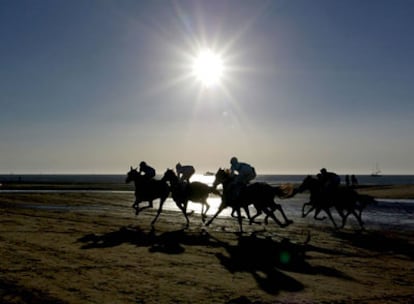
(233, 192)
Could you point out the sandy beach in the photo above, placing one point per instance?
(98, 251)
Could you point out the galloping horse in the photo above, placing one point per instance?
(345, 200)
(182, 192)
(261, 195)
(147, 190)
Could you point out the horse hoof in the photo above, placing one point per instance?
(287, 223)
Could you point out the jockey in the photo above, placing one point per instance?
(184, 173)
(243, 173)
(330, 181)
(147, 171)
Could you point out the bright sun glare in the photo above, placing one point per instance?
(208, 68)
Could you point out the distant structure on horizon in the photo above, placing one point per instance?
(376, 172)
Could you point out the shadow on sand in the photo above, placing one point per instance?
(264, 258)
(11, 292)
(379, 242)
(168, 242)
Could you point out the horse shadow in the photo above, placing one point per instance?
(171, 242)
(266, 259)
(379, 242)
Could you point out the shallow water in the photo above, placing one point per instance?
(389, 213)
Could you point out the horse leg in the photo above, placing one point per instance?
(279, 207)
(343, 216)
(136, 202)
(270, 214)
(220, 209)
(317, 211)
(138, 210)
(150, 205)
(240, 220)
(258, 213)
(272, 208)
(234, 212)
(204, 214)
(328, 212)
(162, 200)
(183, 207)
(136, 207)
(304, 214)
(251, 218)
(359, 219)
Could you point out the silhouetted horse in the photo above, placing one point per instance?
(344, 199)
(237, 196)
(147, 190)
(182, 192)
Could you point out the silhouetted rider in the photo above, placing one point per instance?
(329, 181)
(185, 172)
(243, 173)
(147, 171)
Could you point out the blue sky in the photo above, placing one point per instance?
(97, 86)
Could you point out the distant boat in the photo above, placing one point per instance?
(209, 173)
(376, 172)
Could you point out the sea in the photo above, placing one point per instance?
(390, 213)
(120, 178)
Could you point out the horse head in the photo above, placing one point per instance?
(308, 183)
(170, 176)
(132, 175)
(222, 176)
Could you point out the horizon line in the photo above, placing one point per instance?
(159, 174)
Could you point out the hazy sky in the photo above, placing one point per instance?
(97, 86)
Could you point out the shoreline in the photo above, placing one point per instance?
(387, 191)
(377, 191)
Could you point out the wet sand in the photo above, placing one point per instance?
(388, 191)
(109, 255)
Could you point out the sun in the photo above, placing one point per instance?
(208, 68)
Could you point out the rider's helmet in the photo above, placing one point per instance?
(233, 160)
(323, 171)
(142, 164)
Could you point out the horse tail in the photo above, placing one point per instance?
(284, 191)
(215, 191)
